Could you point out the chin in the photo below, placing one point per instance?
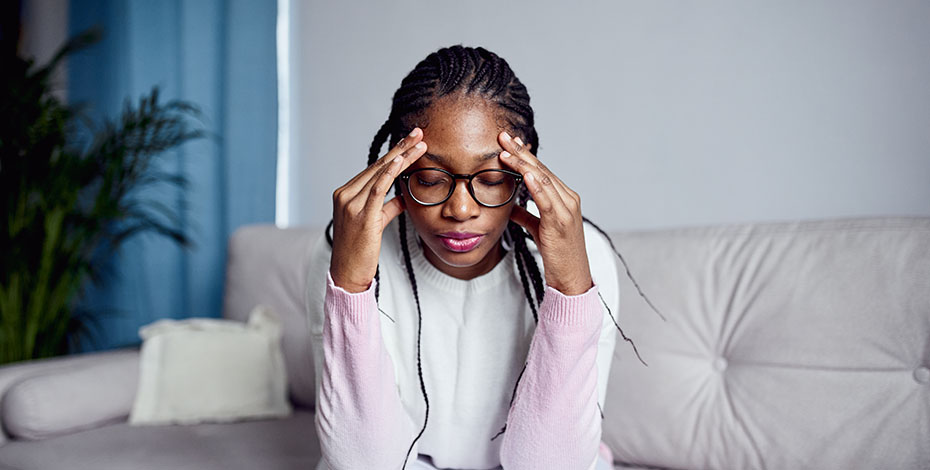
(460, 260)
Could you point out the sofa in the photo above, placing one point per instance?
(784, 345)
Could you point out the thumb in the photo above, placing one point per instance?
(526, 220)
(391, 209)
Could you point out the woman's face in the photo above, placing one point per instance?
(462, 238)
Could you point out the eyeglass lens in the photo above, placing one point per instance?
(490, 187)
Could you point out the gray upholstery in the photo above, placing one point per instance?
(267, 265)
(73, 398)
(16, 374)
(788, 345)
(281, 444)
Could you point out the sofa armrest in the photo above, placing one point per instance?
(45, 397)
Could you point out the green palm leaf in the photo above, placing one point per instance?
(70, 186)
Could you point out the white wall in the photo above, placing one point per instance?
(660, 114)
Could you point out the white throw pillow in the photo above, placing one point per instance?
(211, 370)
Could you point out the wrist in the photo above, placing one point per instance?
(348, 285)
(573, 287)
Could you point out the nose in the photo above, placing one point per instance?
(460, 205)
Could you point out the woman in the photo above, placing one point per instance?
(439, 342)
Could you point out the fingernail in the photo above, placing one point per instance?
(505, 154)
(420, 145)
(506, 136)
(397, 159)
(531, 178)
(413, 132)
(517, 140)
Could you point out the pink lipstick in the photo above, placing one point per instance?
(460, 241)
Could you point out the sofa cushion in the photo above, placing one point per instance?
(788, 345)
(211, 370)
(279, 444)
(267, 265)
(80, 395)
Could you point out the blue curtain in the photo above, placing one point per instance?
(220, 55)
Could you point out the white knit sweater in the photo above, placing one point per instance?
(474, 341)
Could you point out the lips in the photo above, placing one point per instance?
(460, 242)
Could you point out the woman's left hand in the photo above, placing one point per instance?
(558, 231)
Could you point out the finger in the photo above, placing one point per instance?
(526, 220)
(525, 150)
(378, 186)
(545, 175)
(517, 147)
(524, 161)
(412, 155)
(542, 199)
(402, 162)
(544, 193)
(565, 193)
(404, 145)
(545, 170)
(390, 210)
(381, 181)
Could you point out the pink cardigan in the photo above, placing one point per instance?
(553, 422)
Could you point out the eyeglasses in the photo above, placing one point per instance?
(489, 188)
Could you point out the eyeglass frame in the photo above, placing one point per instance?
(518, 179)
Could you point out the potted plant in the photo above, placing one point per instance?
(69, 188)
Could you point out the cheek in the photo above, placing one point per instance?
(504, 215)
(499, 220)
(411, 207)
(419, 215)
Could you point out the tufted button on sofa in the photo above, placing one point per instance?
(922, 375)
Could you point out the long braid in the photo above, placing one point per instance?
(380, 137)
(525, 262)
(523, 196)
(627, 268)
(520, 249)
(402, 221)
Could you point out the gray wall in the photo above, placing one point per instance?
(659, 114)
(44, 31)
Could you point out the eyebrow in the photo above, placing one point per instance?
(442, 160)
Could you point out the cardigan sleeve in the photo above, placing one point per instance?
(554, 421)
(360, 420)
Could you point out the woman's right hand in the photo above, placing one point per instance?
(360, 214)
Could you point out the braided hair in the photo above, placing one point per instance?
(479, 73)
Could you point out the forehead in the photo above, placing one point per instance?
(462, 131)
